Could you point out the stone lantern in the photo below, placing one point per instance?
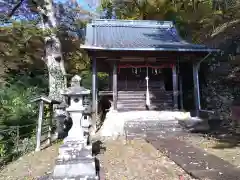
(75, 160)
(76, 93)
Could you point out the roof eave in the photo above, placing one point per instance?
(97, 48)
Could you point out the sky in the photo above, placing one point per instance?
(89, 5)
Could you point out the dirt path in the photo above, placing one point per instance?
(138, 160)
(32, 165)
(134, 160)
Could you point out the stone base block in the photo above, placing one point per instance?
(73, 160)
(73, 169)
(76, 178)
(68, 153)
(73, 147)
(81, 155)
(71, 141)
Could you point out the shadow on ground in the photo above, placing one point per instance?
(225, 135)
(98, 148)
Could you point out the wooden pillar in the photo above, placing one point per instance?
(181, 92)
(110, 80)
(94, 92)
(39, 125)
(196, 88)
(175, 87)
(114, 88)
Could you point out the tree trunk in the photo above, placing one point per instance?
(54, 61)
(53, 54)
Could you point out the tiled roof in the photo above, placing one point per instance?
(136, 35)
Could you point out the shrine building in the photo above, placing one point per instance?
(142, 59)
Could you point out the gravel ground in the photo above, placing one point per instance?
(31, 165)
(137, 159)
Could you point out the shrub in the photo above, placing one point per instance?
(17, 111)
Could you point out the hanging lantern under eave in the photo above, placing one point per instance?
(134, 70)
(156, 71)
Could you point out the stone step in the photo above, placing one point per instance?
(144, 92)
(160, 108)
(132, 105)
(144, 101)
(130, 97)
(129, 109)
(151, 96)
(143, 105)
(160, 97)
(135, 99)
(134, 94)
(161, 102)
(129, 92)
(142, 109)
(143, 95)
(154, 101)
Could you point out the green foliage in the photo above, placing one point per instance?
(87, 79)
(194, 19)
(24, 73)
(16, 108)
(17, 115)
(21, 42)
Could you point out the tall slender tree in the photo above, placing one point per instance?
(47, 10)
(53, 19)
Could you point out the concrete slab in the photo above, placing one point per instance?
(115, 121)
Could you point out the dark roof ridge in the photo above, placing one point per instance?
(137, 35)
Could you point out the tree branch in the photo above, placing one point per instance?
(40, 10)
(15, 8)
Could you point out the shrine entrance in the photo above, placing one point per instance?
(143, 77)
(137, 55)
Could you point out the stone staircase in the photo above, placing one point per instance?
(161, 100)
(136, 100)
(131, 100)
